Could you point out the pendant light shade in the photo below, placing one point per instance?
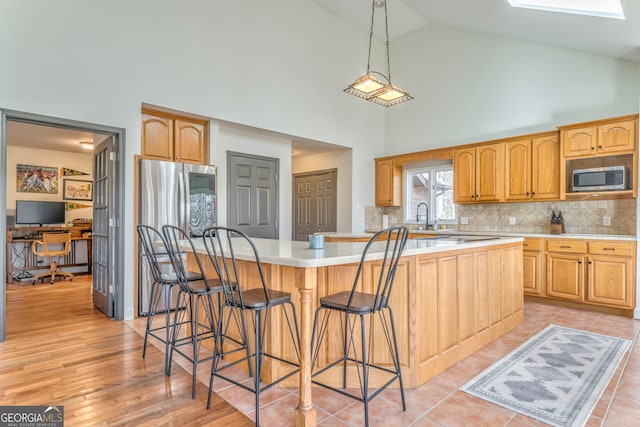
(378, 90)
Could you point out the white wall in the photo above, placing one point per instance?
(50, 158)
(245, 62)
(340, 160)
(472, 87)
(249, 62)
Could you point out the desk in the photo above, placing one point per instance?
(450, 299)
(21, 260)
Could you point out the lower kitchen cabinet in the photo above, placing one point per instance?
(532, 264)
(593, 272)
(565, 276)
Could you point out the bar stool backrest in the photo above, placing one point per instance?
(153, 247)
(394, 239)
(221, 244)
(179, 247)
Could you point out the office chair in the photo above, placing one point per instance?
(48, 241)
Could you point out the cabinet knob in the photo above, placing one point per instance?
(579, 262)
(565, 247)
(590, 262)
(609, 249)
(593, 148)
(527, 193)
(533, 193)
(600, 146)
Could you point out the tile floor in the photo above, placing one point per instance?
(439, 403)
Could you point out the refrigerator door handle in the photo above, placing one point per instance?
(183, 208)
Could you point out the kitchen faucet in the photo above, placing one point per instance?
(426, 225)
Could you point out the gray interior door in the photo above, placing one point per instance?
(253, 195)
(315, 200)
(103, 247)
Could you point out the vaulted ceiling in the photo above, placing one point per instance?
(610, 37)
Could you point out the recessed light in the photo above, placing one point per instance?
(86, 145)
(601, 8)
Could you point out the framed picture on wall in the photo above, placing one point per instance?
(75, 189)
(36, 179)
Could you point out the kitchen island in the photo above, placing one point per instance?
(450, 298)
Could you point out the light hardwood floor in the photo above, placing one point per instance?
(60, 350)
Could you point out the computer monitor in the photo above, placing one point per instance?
(39, 212)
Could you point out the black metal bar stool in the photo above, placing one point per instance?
(356, 304)
(193, 294)
(246, 296)
(154, 249)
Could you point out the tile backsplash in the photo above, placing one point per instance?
(580, 217)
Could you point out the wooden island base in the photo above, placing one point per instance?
(447, 304)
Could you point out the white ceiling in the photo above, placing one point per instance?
(46, 137)
(610, 37)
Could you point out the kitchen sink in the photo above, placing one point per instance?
(458, 238)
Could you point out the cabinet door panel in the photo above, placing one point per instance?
(388, 183)
(610, 280)
(531, 272)
(565, 276)
(518, 170)
(489, 172)
(189, 142)
(464, 183)
(157, 137)
(616, 137)
(579, 142)
(545, 168)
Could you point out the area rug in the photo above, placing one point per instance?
(556, 377)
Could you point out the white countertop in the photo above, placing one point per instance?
(525, 234)
(298, 254)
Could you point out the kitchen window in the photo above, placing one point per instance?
(432, 186)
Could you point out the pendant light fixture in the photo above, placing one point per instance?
(370, 87)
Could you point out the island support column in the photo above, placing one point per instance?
(306, 282)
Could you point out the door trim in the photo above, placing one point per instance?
(118, 214)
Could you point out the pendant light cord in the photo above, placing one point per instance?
(373, 11)
(386, 26)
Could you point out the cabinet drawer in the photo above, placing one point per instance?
(569, 246)
(611, 248)
(531, 244)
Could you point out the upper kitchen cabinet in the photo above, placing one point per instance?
(388, 183)
(604, 137)
(174, 138)
(595, 147)
(532, 168)
(478, 174)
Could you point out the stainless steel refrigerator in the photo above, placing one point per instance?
(180, 194)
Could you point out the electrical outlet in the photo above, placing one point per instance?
(464, 220)
(512, 220)
(606, 220)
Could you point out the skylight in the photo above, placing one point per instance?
(602, 8)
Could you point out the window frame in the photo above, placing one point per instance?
(410, 217)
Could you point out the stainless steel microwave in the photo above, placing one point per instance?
(600, 179)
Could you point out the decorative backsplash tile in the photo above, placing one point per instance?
(580, 217)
